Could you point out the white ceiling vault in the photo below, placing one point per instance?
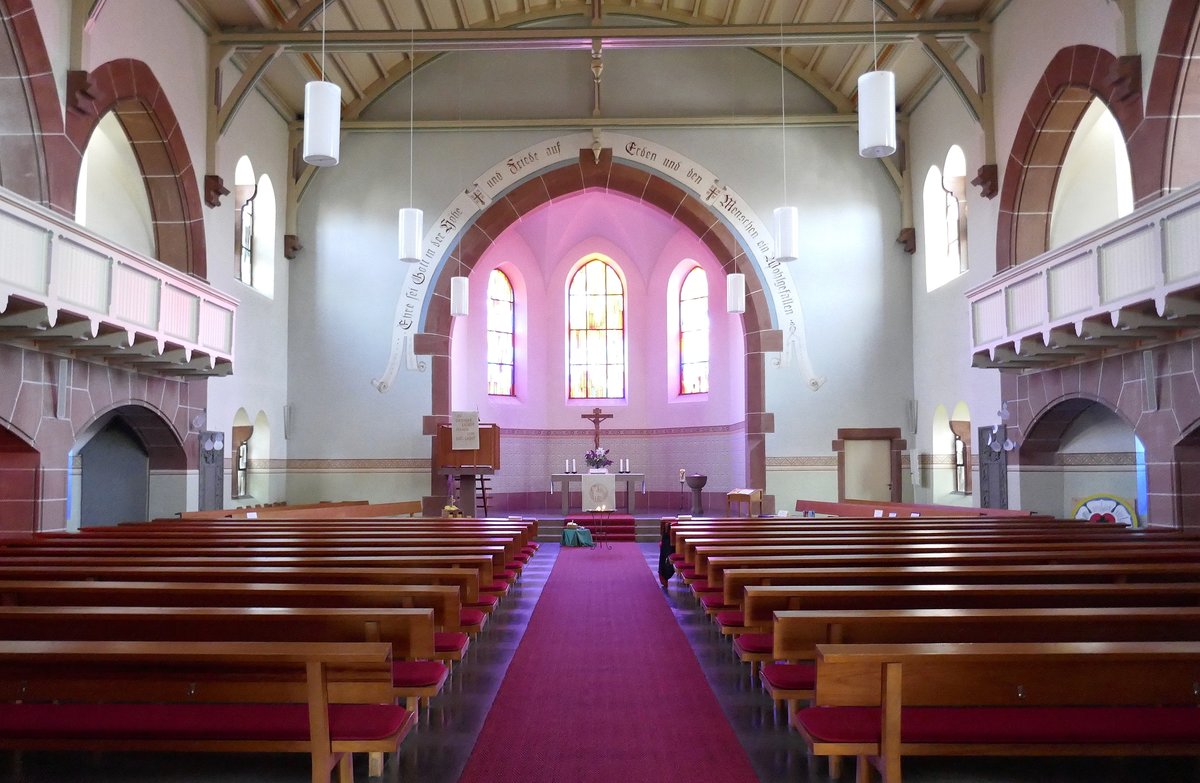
(276, 45)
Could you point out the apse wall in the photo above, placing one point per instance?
(853, 281)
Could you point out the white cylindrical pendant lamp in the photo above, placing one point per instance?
(735, 293)
(876, 114)
(410, 234)
(459, 296)
(787, 233)
(322, 123)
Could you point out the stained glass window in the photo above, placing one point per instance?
(596, 332)
(501, 330)
(693, 333)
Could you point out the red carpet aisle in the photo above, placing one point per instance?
(604, 687)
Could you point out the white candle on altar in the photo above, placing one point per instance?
(572, 464)
(566, 466)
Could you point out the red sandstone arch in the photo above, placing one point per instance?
(130, 89)
(163, 444)
(760, 335)
(20, 483)
(31, 123)
(1075, 76)
(1172, 121)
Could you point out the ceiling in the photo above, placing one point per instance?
(371, 44)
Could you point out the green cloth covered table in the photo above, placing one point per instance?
(577, 536)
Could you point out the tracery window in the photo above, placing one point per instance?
(596, 332)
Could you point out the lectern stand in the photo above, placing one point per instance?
(466, 464)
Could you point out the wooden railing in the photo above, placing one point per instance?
(66, 290)
(1129, 285)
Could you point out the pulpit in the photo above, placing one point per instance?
(466, 464)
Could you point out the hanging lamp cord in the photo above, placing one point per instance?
(412, 90)
(782, 111)
(324, 5)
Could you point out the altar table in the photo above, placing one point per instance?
(564, 481)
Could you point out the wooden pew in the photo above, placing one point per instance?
(203, 696)
(480, 563)
(443, 600)
(735, 581)
(797, 633)
(716, 566)
(466, 581)
(1019, 699)
(687, 541)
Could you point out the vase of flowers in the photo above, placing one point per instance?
(597, 460)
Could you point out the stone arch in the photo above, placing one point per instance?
(32, 123)
(163, 444)
(1172, 128)
(1075, 76)
(1044, 432)
(654, 191)
(130, 90)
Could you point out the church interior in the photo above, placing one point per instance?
(345, 285)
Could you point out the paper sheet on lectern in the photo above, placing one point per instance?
(599, 491)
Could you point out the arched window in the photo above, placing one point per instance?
(244, 191)
(1095, 184)
(693, 333)
(501, 331)
(596, 332)
(954, 195)
(944, 200)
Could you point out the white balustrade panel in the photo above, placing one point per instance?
(1183, 245)
(1026, 304)
(1072, 285)
(24, 256)
(216, 328)
(180, 314)
(81, 276)
(1129, 265)
(989, 321)
(135, 297)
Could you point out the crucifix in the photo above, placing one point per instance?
(595, 417)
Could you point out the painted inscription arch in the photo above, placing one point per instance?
(746, 240)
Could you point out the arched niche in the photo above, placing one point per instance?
(127, 464)
(20, 477)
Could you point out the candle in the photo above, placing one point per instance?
(572, 464)
(566, 466)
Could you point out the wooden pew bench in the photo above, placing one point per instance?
(717, 565)
(328, 700)
(883, 702)
(416, 677)
(451, 639)
(798, 633)
(735, 581)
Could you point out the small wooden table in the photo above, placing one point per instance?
(743, 495)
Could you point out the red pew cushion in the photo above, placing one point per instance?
(754, 643)
(449, 641)
(282, 722)
(790, 676)
(417, 674)
(733, 618)
(469, 618)
(1026, 725)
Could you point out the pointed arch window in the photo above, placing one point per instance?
(501, 334)
(596, 332)
(693, 333)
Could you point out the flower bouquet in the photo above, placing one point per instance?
(597, 459)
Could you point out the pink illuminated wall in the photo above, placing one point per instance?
(654, 423)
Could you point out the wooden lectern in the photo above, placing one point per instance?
(466, 464)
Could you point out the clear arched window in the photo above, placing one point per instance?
(501, 334)
(596, 332)
(954, 196)
(244, 191)
(693, 333)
